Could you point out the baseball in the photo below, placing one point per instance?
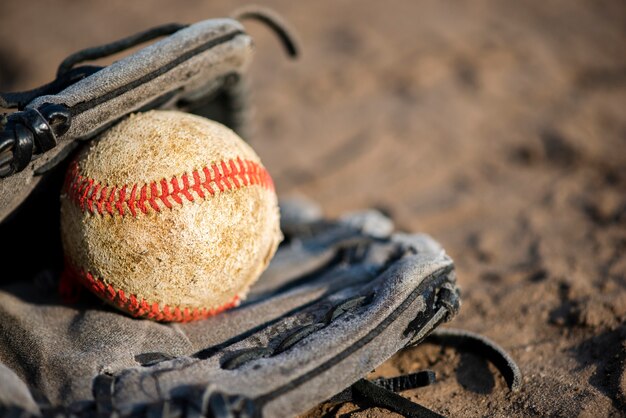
(169, 216)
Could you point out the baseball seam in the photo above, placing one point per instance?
(141, 308)
(97, 198)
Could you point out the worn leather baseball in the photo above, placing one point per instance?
(169, 216)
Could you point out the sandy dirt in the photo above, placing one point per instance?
(497, 127)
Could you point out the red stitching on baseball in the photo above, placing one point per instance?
(176, 191)
(97, 198)
(88, 184)
(153, 195)
(131, 200)
(197, 184)
(165, 192)
(142, 308)
(142, 199)
(109, 204)
(227, 175)
(185, 190)
(208, 180)
(102, 199)
(234, 172)
(91, 199)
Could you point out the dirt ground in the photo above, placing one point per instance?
(497, 127)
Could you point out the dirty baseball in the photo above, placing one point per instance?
(169, 216)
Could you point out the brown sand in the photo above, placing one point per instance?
(497, 127)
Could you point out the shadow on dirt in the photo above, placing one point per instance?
(607, 353)
(474, 375)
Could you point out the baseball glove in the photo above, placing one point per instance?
(339, 298)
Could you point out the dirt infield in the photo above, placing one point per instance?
(497, 127)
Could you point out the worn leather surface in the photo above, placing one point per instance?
(339, 298)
